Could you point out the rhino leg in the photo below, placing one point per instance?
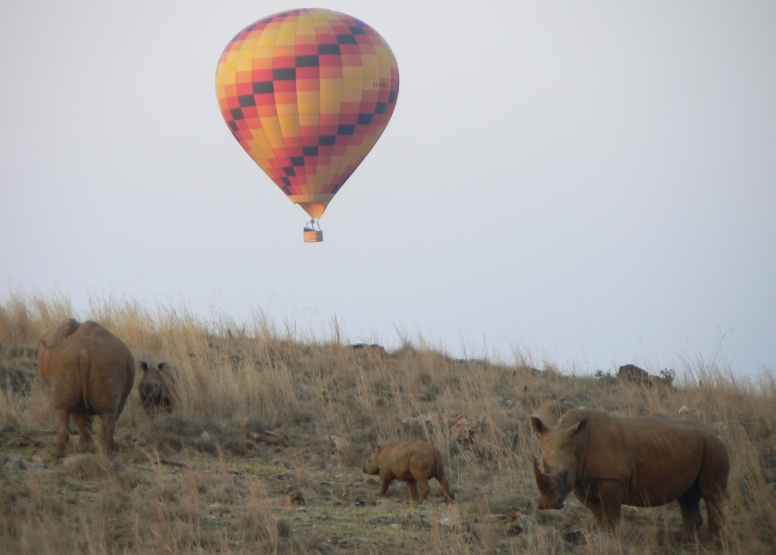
(412, 489)
(63, 433)
(712, 489)
(108, 426)
(606, 503)
(691, 516)
(84, 424)
(385, 480)
(424, 488)
(446, 488)
(715, 513)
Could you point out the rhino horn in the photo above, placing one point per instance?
(542, 480)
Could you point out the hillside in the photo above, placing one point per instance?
(264, 448)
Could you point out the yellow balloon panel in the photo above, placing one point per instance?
(307, 93)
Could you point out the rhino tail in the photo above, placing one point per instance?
(85, 365)
(49, 350)
(440, 467)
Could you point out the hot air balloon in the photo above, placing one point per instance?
(307, 93)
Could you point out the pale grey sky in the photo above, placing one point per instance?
(593, 183)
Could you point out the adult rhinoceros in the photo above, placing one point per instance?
(88, 371)
(645, 462)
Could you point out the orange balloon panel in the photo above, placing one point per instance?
(307, 93)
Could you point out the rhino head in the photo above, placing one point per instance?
(157, 386)
(556, 475)
(371, 465)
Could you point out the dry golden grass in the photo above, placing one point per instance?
(208, 478)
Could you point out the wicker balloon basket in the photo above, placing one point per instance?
(313, 232)
(313, 236)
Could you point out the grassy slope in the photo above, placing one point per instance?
(237, 488)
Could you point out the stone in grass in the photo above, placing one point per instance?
(575, 536)
(14, 462)
(293, 498)
(515, 529)
(518, 522)
(37, 465)
(284, 529)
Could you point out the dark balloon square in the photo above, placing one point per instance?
(328, 49)
(346, 39)
(261, 87)
(307, 61)
(246, 100)
(284, 74)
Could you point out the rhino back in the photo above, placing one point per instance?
(51, 339)
(656, 457)
(394, 456)
(411, 459)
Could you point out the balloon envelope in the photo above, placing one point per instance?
(307, 93)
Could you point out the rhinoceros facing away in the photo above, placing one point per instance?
(645, 462)
(88, 371)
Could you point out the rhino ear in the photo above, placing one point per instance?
(578, 427)
(72, 326)
(538, 425)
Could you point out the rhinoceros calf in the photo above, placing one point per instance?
(414, 462)
(156, 387)
(88, 371)
(644, 462)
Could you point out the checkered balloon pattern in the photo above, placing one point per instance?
(307, 93)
